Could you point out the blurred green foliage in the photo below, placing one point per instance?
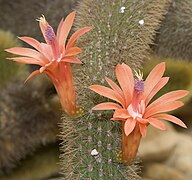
(8, 69)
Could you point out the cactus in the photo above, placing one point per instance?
(174, 37)
(27, 120)
(8, 70)
(122, 32)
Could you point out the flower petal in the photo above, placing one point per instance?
(76, 35)
(121, 114)
(162, 108)
(43, 48)
(106, 106)
(123, 78)
(107, 92)
(43, 24)
(159, 85)
(170, 118)
(73, 51)
(59, 27)
(26, 60)
(168, 97)
(72, 59)
(156, 123)
(114, 86)
(47, 51)
(32, 42)
(143, 129)
(153, 78)
(32, 74)
(129, 126)
(65, 29)
(130, 75)
(26, 52)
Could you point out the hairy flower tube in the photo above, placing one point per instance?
(134, 107)
(54, 57)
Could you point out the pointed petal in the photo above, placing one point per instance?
(143, 129)
(73, 51)
(168, 97)
(156, 123)
(162, 108)
(131, 78)
(142, 121)
(26, 60)
(72, 59)
(76, 35)
(43, 28)
(156, 89)
(59, 27)
(141, 107)
(107, 92)
(129, 126)
(26, 52)
(114, 86)
(153, 78)
(123, 78)
(121, 114)
(47, 51)
(32, 74)
(170, 118)
(107, 106)
(32, 42)
(65, 29)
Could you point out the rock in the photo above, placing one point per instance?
(158, 145)
(181, 157)
(157, 171)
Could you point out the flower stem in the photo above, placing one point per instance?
(130, 144)
(63, 82)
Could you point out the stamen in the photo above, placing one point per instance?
(42, 19)
(139, 86)
(49, 34)
(139, 75)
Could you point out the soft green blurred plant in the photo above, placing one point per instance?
(8, 69)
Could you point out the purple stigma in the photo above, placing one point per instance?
(49, 34)
(139, 86)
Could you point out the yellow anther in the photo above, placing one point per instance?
(139, 75)
(42, 19)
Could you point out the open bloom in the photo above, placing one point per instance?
(133, 105)
(54, 57)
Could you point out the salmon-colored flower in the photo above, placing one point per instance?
(134, 108)
(54, 57)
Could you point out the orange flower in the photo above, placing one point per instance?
(134, 108)
(54, 57)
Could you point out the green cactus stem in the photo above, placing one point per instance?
(122, 32)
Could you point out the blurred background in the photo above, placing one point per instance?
(30, 113)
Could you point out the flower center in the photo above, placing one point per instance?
(134, 114)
